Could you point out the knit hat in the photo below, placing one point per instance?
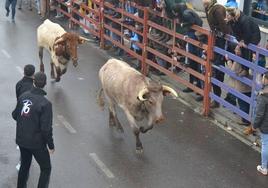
(40, 79)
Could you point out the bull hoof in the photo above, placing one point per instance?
(120, 129)
(142, 130)
(139, 150)
(75, 64)
(52, 76)
(57, 79)
(111, 123)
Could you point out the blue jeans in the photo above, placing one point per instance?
(264, 150)
(13, 4)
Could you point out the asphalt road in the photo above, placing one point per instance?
(186, 151)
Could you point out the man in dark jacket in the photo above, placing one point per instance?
(261, 122)
(244, 29)
(188, 17)
(33, 114)
(26, 83)
(216, 15)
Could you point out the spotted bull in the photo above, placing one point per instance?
(138, 96)
(62, 46)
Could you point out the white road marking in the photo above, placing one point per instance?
(80, 78)
(101, 165)
(66, 124)
(6, 53)
(20, 70)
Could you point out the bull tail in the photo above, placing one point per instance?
(100, 99)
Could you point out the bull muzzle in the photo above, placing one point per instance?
(159, 120)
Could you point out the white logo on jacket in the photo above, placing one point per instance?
(26, 107)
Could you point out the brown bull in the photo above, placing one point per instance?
(137, 95)
(62, 46)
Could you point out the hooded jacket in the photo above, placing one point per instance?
(261, 117)
(33, 114)
(244, 28)
(216, 15)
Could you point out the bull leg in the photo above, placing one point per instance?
(136, 131)
(144, 130)
(113, 120)
(52, 72)
(58, 71)
(139, 148)
(42, 68)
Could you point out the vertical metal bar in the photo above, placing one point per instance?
(208, 74)
(253, 88)
(101, 24)
(144, 67)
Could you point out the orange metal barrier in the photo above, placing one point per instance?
(175, 63)
(91, 20)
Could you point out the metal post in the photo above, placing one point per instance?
(208, 74)
(101, 24)
(144, 67)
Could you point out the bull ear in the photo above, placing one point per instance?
(82, 40)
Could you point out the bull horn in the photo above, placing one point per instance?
(141, 93)
(83, 38)
(61, 39)
(170, 90)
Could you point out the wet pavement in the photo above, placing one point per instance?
(186, 151)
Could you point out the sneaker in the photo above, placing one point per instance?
(249, 130)
(199, 98)
(263, 171)
(18, 166)
(214, 104)
(13, 20)
(7, 14)
(59, 16)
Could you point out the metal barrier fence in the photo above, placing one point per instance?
(252, 80)
(114, 22)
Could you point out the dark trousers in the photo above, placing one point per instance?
(192, 64)
(43, 159)
(244, 106)
(13, 4)
(218, 60)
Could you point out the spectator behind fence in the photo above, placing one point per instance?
(239, 86)
(216, 15)
(187, 18)
(245, 29)
(261, 122)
